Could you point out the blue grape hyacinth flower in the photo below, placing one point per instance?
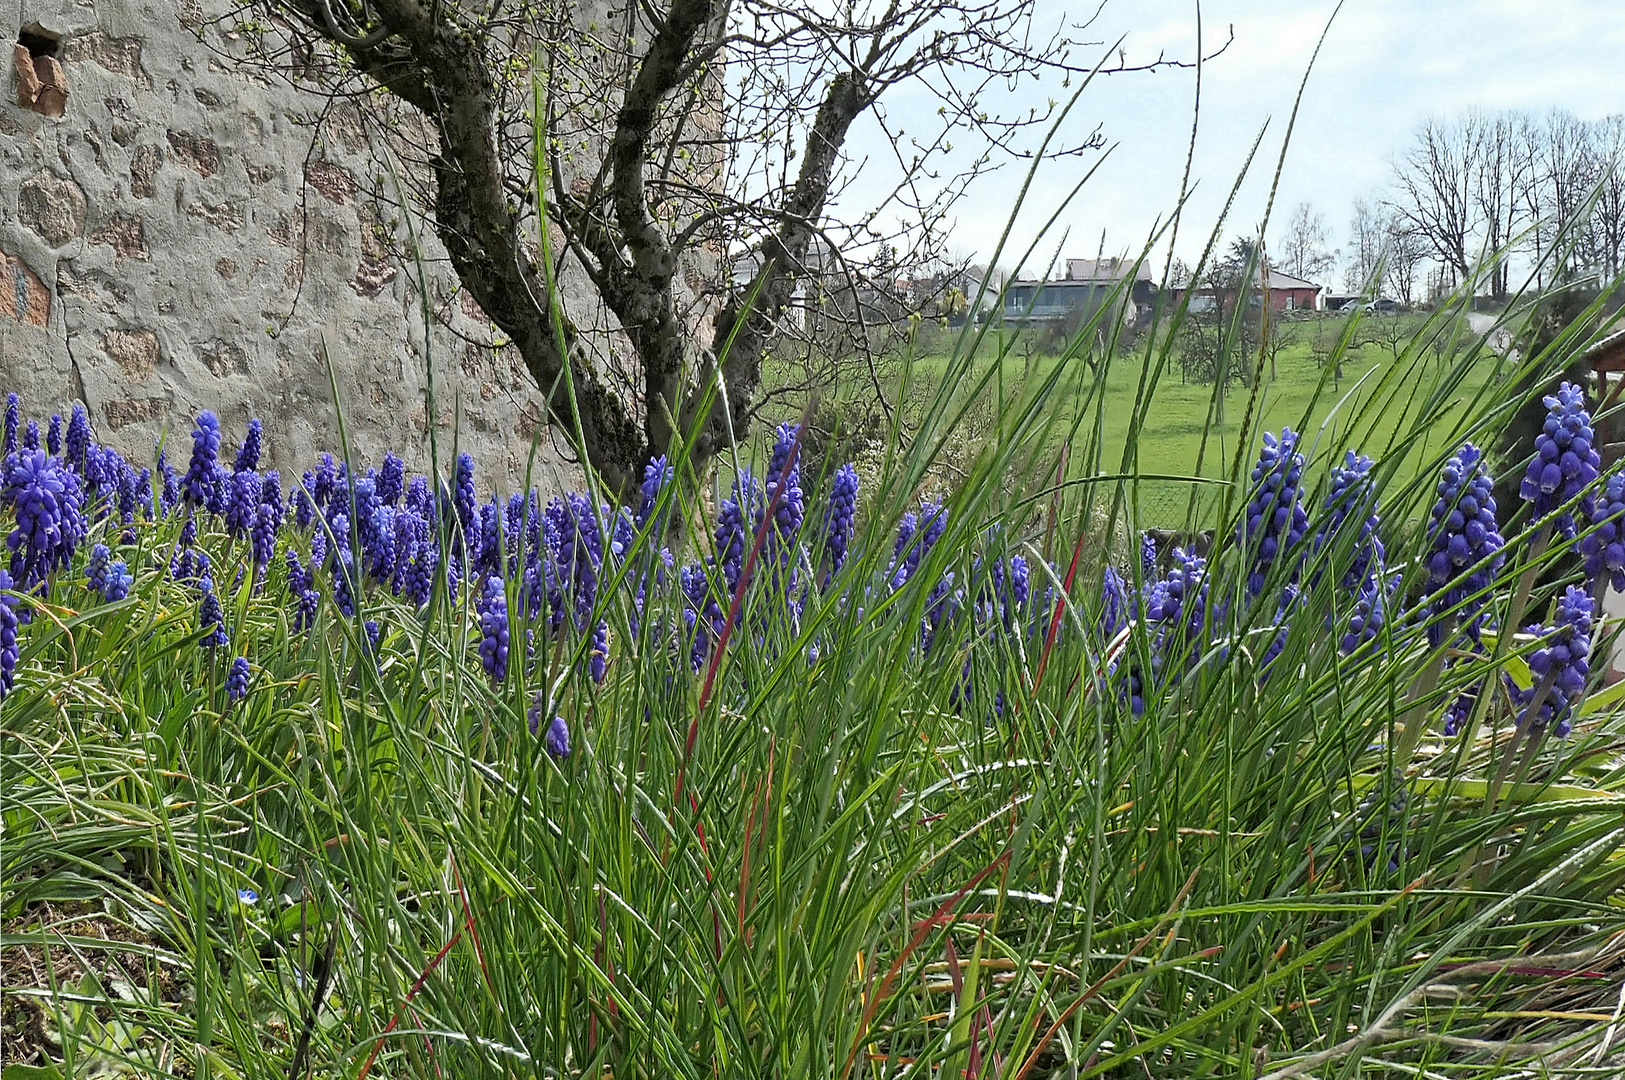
(784, 491)
(198, 484)
(897, 570)
(465, 500)
(737, 519)
(346, 581)
(391, 480)
(839, 518)
(13, 420)
(305, 505)
(1560, 666)
(942, 606)
(656, 476)
(79, 437)
(1275, 523)
(304, 616)
(119, 580)
(169, 489)
(219, 491)
(211, 619)
(96, 567)
(1466, 544)
(558, 739)
(1115, 608)
(1566, 462)
(1352, 494)
(598, 654)
(129, 493)
(9, 622)
(916, 536)
(1604, 547)
(324, 479)
(46, 500)
(1283, 623)
(1460, 711)
(578, 533)
(243, 503)
(238, 678)
(1370, 609)
(248, 455)
(494, 632)
(420, 497)
(1177, 603)
(110, 579)
(486, 554)
(267, 523)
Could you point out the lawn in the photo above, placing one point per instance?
(1184, 432)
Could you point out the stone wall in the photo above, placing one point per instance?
(179, 233)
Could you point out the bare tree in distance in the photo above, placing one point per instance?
(1402, 259)
(1434, 182)
(1472, 188)
(1304, 250)
(1501, 174)
(1367, 237)
(678, 128)
(1563, 169)
(1608, 219)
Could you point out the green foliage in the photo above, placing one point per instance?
(835, 865)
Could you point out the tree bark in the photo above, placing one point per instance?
(431, 61)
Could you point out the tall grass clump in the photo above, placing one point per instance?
(361, 773)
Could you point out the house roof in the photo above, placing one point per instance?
(1608, 354)
(1058, 283)
(1279, 280)
(1103, 270)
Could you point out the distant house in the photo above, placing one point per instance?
(827, 290)
(798, 311)
(1088, 284)
(1286, 293)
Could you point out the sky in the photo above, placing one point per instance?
(1385, 67)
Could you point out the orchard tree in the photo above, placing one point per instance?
(670, 142)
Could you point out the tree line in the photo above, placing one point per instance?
(1547, 189)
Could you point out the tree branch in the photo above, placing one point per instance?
(430, 59)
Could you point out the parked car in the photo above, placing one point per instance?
(1379, 306)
